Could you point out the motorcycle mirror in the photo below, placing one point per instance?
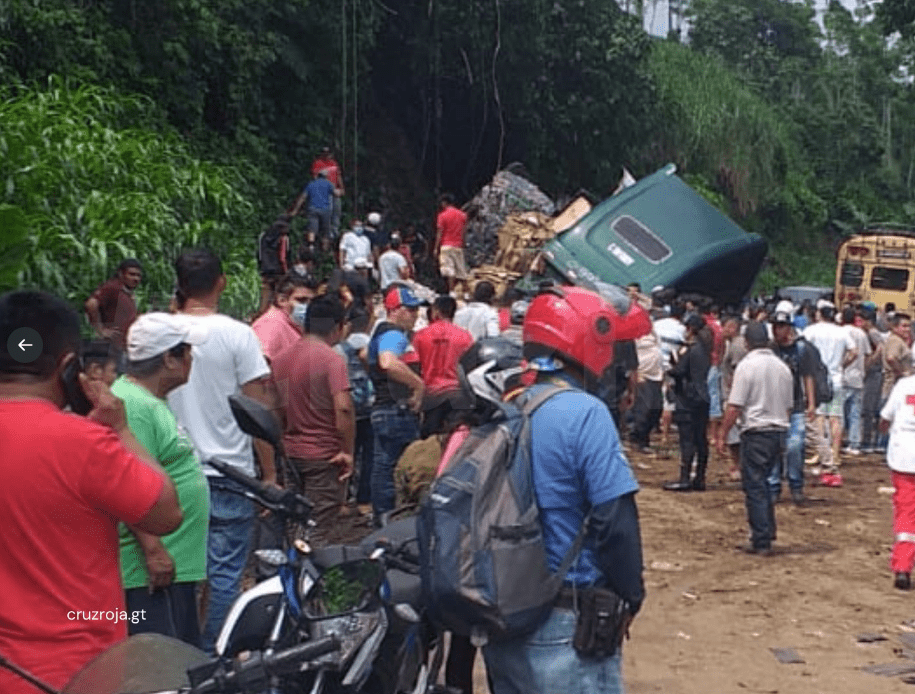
(254, 419)
(343, 588)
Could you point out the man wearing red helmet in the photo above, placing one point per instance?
(578, 467)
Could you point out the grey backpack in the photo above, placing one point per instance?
(483, 563)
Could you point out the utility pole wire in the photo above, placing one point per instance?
(495, 84)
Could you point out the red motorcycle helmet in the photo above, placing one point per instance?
(576, 324)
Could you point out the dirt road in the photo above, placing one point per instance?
(713, 614)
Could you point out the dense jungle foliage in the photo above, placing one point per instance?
(140, 128)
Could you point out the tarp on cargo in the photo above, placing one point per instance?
(659, 233)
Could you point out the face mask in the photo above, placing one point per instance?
(358, 230)
(298, 314)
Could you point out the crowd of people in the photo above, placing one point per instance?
(358, 364)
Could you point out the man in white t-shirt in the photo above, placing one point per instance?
(478, 317)
(899, 411)
(392, 266)
(853, 380)
(355, 246)
(229, 361)
(837, 350)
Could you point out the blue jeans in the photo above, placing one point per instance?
(545, 662)
(394, 428)
(228, 546)
(714, 392)
(854, 401)
(791, 464)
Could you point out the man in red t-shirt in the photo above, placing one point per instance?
(67, 480)
(314, 393)
(439, 347)
(111, 308)
(325, 162)
(449, 242)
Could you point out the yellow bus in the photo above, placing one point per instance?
(877, 265)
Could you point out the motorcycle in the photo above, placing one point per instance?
(332, 619)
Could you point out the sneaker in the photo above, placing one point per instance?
(831, 479)
(852, 451)
(797, 497)
(758, 551)
(902, 580)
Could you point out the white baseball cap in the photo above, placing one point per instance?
(785, 306)
(155, 333)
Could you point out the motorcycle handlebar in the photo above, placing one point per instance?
(283, 501)
(251, 675)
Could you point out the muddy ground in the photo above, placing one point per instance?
(713, 615)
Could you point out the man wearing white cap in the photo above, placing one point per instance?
(160, 575)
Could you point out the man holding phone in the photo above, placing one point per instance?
(66, 480)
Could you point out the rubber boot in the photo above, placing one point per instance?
(698, 484)
(683, 484)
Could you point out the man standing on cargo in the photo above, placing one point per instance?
(449, 243)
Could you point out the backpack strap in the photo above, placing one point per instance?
(528, 407)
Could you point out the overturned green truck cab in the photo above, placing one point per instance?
(660, 233)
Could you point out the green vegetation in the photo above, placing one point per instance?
(185, 122)
(83, 188)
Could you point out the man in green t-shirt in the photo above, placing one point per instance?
(160, 574)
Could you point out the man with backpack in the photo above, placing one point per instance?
(800, 361)
(584, 487)
(355, 350)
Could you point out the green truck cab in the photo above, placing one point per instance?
(660, 233)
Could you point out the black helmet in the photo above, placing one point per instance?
(487, 367)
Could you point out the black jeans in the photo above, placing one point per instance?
(646, 411)
(691, 423)
(760, 451)
(171, 611)
(362, 460)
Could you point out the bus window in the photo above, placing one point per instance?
(852, 274)
(892, 278)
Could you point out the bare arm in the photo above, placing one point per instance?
(810, 394)
(160, 566)
(263, 390)
(95, 316)
(850, 356)
(345, 417)
(730, 418)
(297, 205)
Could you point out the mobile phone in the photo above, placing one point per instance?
(73, 391)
